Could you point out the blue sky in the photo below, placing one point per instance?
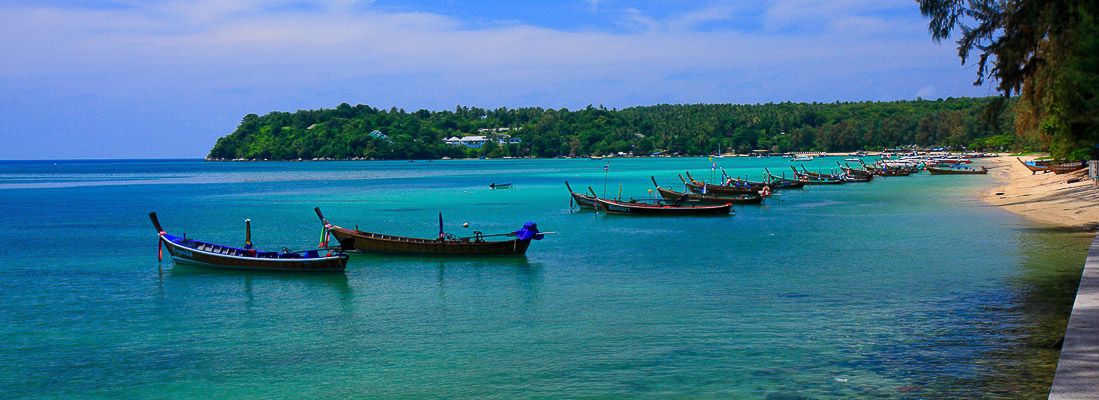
(165, 79)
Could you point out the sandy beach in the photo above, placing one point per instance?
(1044, 198)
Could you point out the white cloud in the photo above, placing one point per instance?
(927, 92)
(804, 15)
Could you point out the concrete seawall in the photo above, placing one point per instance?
(1078, 369)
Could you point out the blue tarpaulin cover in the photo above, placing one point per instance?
(529, 231)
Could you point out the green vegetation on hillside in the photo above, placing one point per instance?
(1047, 51)
(366, 132)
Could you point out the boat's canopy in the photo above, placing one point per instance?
(529, 231)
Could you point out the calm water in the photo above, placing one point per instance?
(904, 287)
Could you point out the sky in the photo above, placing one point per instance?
(164, 79)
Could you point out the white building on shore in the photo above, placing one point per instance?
(476, 142)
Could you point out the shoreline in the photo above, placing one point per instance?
(1043, 198)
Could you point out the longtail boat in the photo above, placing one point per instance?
(1066, 167)
(856, 174)
(445, 245)
(782, 182)
(184, 250)
(1035, 166)
(811, 178)
(885, 170)
(818, 174)
(695, 186)
(499, 186)
(581, 200)
(715, 198)
(956, 171)
(757, 186)
(658, 209)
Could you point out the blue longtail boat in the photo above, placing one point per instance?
(190, 251)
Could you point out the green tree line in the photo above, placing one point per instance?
(366, 132)
(1046, 51)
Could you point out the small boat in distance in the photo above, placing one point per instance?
(956, 170)
(184, 250)
(802, 158)
(499, 186)
(444, 245)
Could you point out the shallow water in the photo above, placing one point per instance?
(903, 287)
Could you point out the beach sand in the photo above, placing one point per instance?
(1044, 198)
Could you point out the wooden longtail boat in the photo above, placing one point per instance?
(581, 200)
(695, 186)
(758, 186)
(781, 182)
(714, 198)
(856, 174)
(818, 175)
(499, 186)
(885, 170)
(888, 168)
(184, 250)
(1064, 168)
(956, 171)
(811, 178)
(659, 209)
(444, 245)
(1035, 166)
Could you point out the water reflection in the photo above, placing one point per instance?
(337, 282)
(1043, 291)
(527, 275)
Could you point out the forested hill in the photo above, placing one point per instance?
(366, 132)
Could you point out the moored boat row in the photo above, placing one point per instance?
(731, 191)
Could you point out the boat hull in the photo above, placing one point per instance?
(583, 201)
(950, 171)
(786, 184)
(376, 243)
(1065, 168)
(1035, 166)
(722, 189)
(743, 198)
(696, 186)
(616, 207)
(188, 255)
(820, 181)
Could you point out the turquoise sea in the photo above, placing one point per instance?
(906, 287)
